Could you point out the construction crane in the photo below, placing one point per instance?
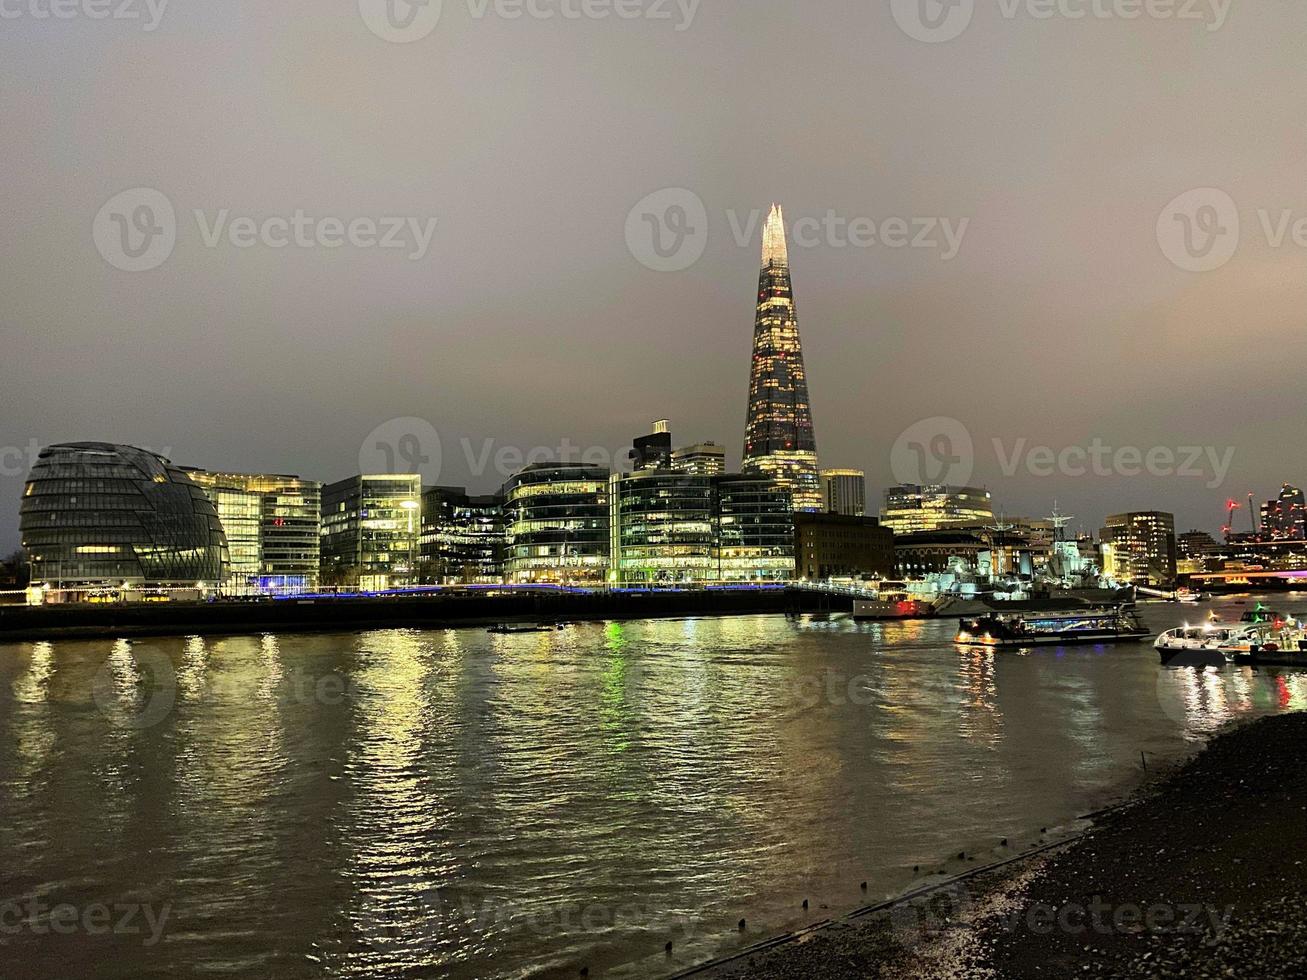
(1252, 514)
(1231, 506)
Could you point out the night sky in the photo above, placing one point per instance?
(531, 319)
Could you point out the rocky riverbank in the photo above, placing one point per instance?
(1202, 875)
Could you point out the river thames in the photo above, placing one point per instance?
(455, 804)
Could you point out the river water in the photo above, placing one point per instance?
(455, 804)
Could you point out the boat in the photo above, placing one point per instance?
(892, 605)
(1261, 637)
(1119, 624)
(511, 629)
(1195, 646)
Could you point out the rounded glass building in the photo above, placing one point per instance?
(558, 524)
(99, 515)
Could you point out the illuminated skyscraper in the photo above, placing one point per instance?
(779, 439)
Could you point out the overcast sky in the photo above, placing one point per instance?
(537, 312)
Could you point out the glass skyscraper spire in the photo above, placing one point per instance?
(779, 439)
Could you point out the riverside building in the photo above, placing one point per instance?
(1139, 548)
(779, 440)
(273, 526)
(463, 537)
(556, 517)
(704, 459)
(845, 492)
(371, 531)
(910, 509)
(96, 516)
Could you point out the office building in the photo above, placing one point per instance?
(654, 451)
(703, 459)
(371, 531)
(557, 524)
(909, 509)
(753, 529)
(273, 525)
(1285, 518)
(1139, 548)
(779, 439)
(845, 492)
(661, 527)
(463, 537)
(97, 516)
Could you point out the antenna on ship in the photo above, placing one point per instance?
(1060, 521)
(998, 527)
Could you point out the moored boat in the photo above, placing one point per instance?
(892, 605)
(1115, 625)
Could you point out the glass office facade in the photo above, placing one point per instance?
(557, 517)
(754, 530)
(463, 537)
(661, 525)
(288, 528)
(779, 438)
(371, 529)
(99, 515)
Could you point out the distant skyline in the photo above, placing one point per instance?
(1059, 320)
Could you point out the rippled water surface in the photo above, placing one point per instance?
(455, 804)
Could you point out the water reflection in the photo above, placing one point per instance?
(454, 804)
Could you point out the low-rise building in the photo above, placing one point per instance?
(830, 546)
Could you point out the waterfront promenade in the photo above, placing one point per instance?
(428, 610)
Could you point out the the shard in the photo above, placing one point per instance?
(779, 438)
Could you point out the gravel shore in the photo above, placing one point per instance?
(1202, 875)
